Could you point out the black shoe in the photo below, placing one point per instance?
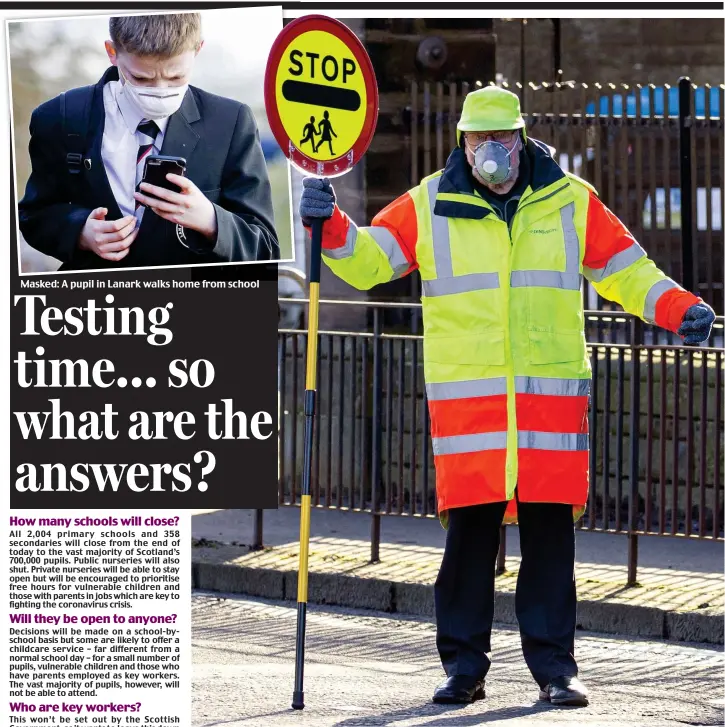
(567, 691)
(459, 689)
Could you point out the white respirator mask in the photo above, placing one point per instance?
(493, 161)
(154, 103)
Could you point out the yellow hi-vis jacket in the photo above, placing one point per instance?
(506, 366)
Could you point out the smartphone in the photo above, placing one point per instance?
(157, 166)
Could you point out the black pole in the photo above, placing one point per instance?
(258, 542)
(557, 49)
(316, 250)
(636, 332)
(377, 445)
(686, 198)
(523, 65)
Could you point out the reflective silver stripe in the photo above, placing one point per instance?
(571, 239)
(391, 247)
(616, 263)
(570, 279)
(347, 249)
(555, 441)
(460, 284)
(465, 443)
(440, 234)
(445, 283)
(552, 387)
(466, 389)
(653, 295)
(545, 279)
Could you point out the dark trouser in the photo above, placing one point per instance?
(545, 590)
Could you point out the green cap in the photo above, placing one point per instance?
(491, 109)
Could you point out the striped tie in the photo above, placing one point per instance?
(146, 134)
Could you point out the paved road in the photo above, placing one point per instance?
(366, 669)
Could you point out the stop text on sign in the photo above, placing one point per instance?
(330, 66)
(312, 66)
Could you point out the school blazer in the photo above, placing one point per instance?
(219, 139)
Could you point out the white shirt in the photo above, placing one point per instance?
(120, 144)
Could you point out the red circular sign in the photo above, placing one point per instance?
(305, 95)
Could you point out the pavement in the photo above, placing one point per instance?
(680, 593)
(369, 669)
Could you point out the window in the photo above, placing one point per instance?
(675, 212)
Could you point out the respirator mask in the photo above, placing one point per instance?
(493, 161)
(154, 103)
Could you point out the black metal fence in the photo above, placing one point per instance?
(656, 427)
(655, 155)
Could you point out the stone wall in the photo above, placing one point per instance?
(407, 49)
(634, 50)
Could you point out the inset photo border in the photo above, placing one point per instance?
(98, 101)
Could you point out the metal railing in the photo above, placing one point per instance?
(655, 424)
(654, 154)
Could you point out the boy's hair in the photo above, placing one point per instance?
(160, 36)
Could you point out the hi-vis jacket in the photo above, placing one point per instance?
(506, 366)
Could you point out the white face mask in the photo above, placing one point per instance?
(493, 161)
(154, 103)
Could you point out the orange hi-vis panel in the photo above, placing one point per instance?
(506, 366)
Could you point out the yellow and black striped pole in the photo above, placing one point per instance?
(298, 699)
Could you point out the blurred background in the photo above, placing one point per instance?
(50, 56)
(604, 92)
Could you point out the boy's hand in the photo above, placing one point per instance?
(188, 208)
(109, 240)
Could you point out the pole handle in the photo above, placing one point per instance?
(316, 249)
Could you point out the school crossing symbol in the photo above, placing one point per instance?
(324, 131)
(321, 95)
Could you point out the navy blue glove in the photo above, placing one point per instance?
(317, 201)
(697, 323)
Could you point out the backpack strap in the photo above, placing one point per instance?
(75, 112)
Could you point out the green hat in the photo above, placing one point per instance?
(491, 109)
